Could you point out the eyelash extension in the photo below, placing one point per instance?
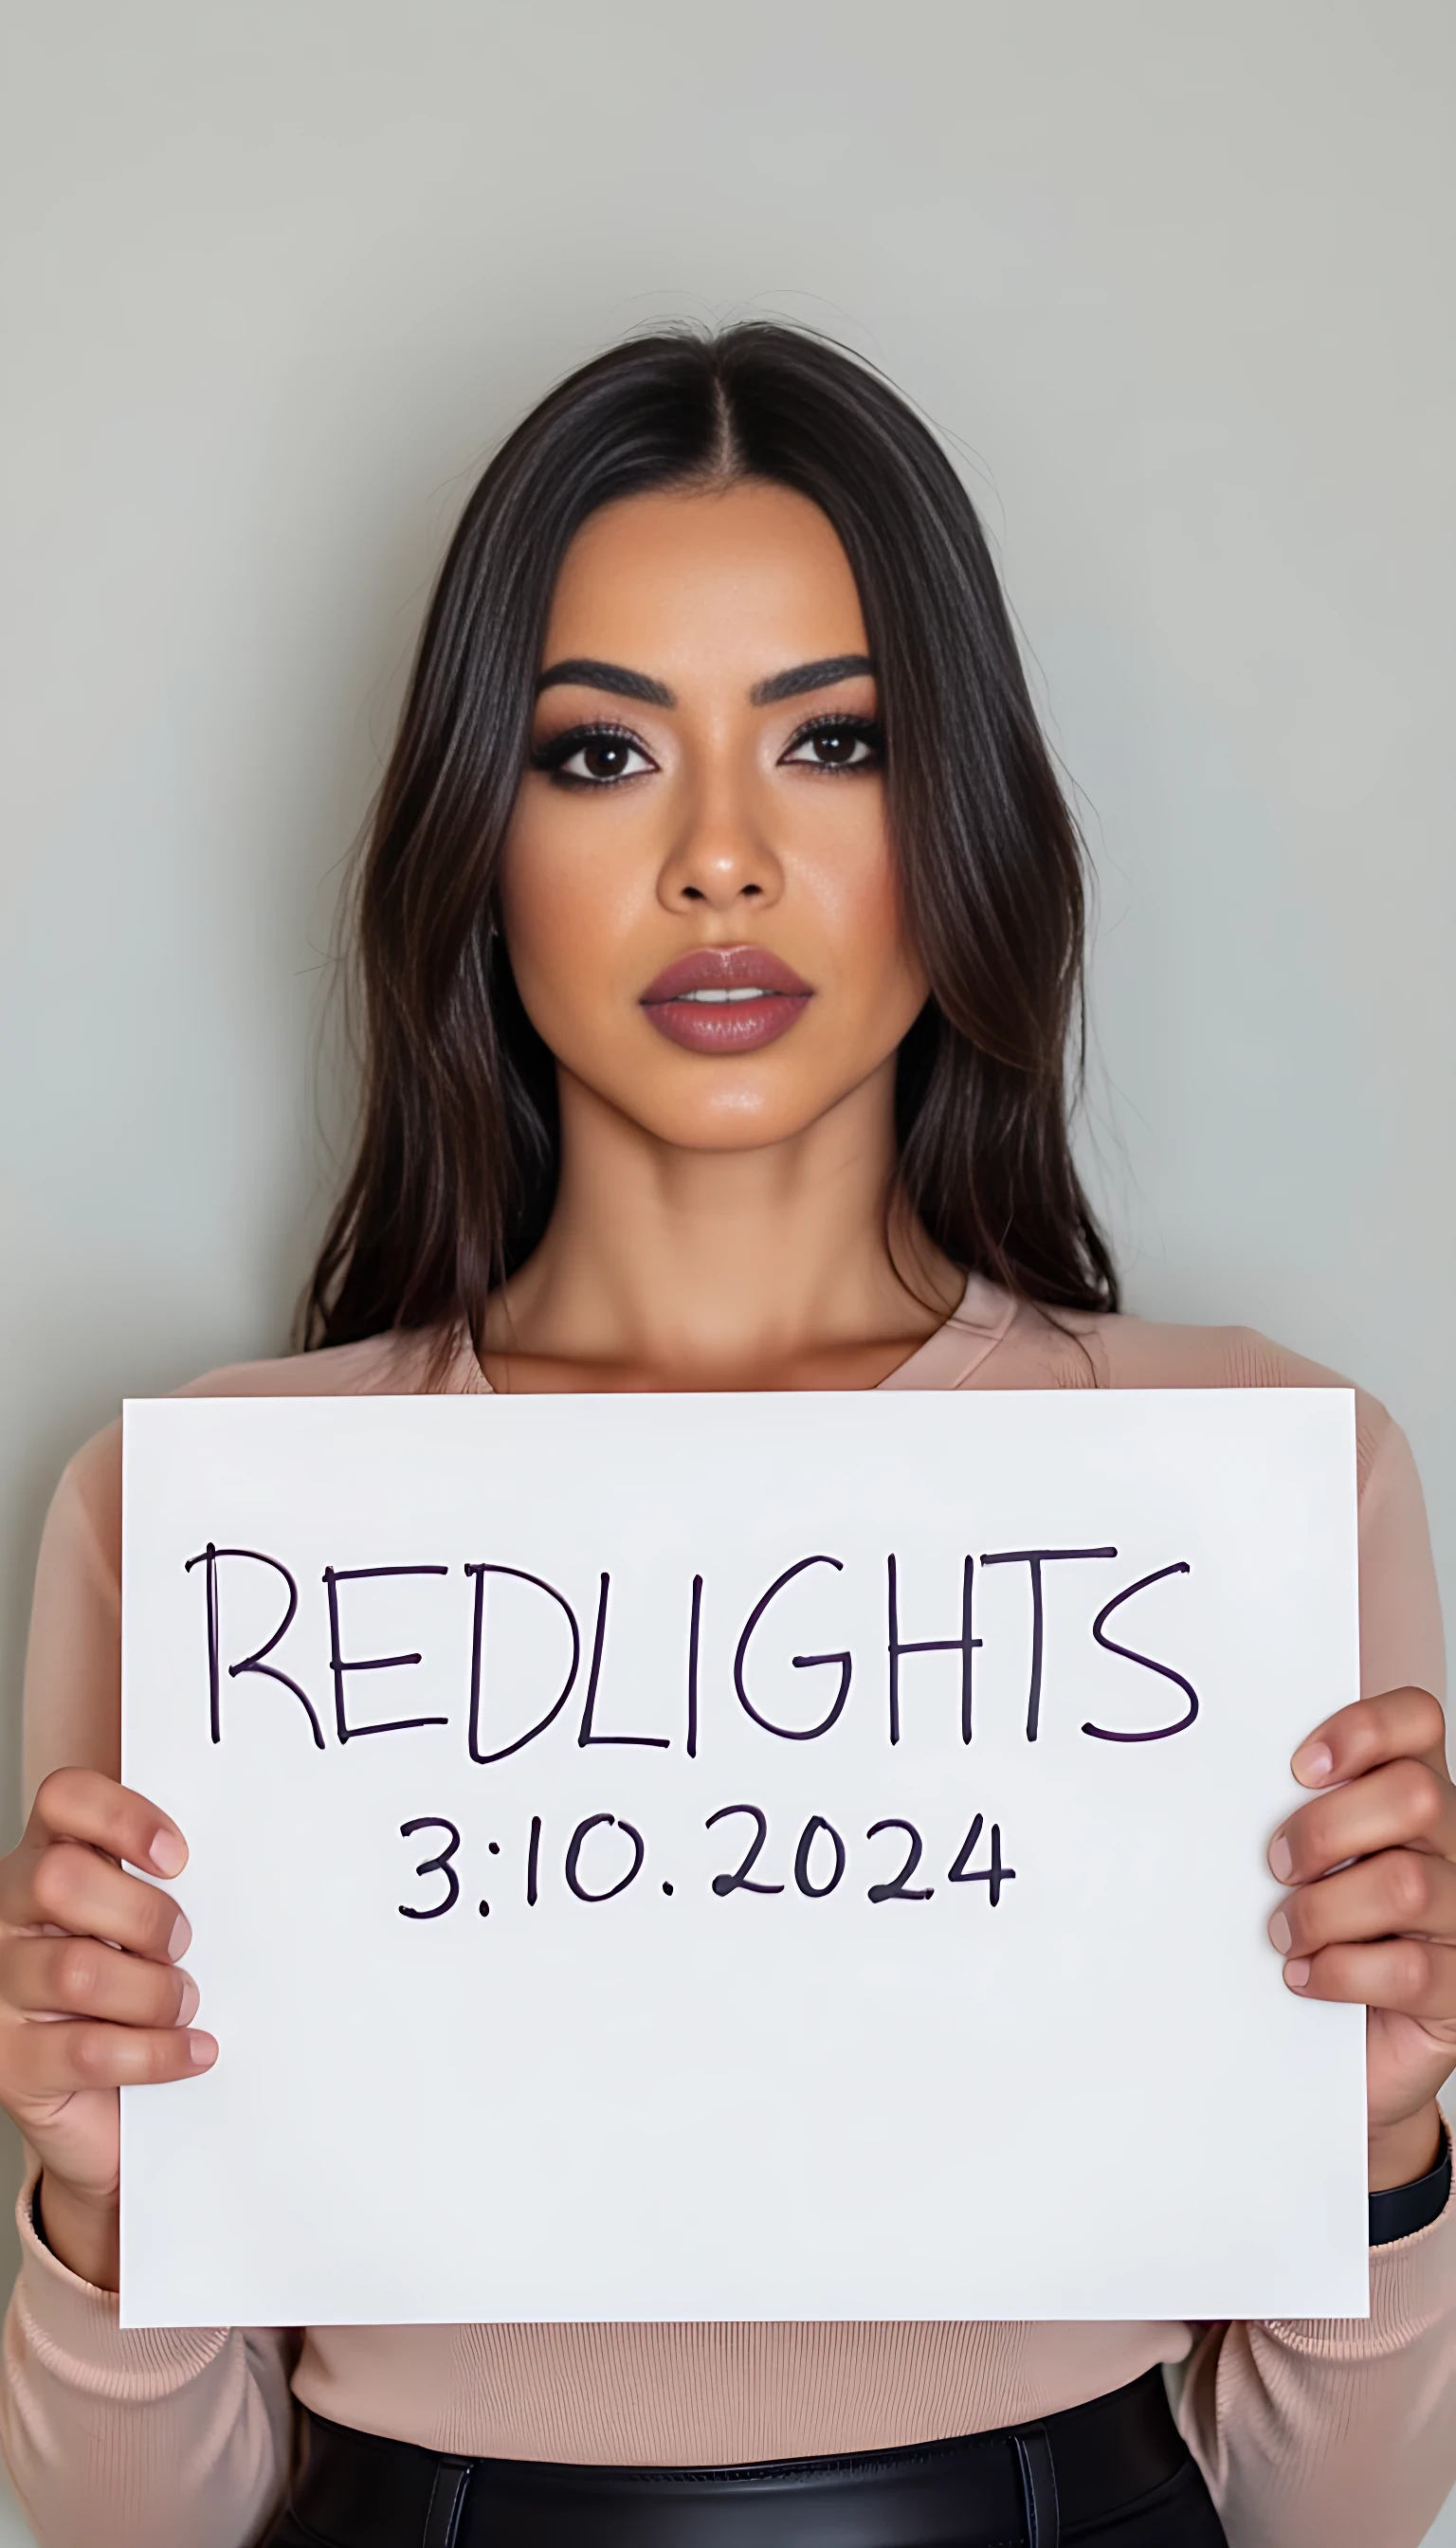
(845, 723)
(553, 754)
(560, 747)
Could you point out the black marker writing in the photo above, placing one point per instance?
(253, 1663)
(649, 1742)
(1130, 1655)
(804, 1854)
(477, 1645)
(574, 1853)
(740, 1881)
(694, 1627)
(801, 1663)
(992, 1876)
(334, 1576)
(821, 1862)
(965, 1644)
(899, 1888)
(905, 1721)
(435, 1866)
(1035, 1559)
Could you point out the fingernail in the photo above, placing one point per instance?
(1281, 1857)
(1297, 1971)
(167, 1854)
(1280, 1934)
(1311, 1763)
(203, 2049)
(181, 1937)
(191, 1995)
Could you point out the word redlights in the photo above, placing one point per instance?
(838, 1665)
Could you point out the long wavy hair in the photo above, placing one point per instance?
(455, 1168)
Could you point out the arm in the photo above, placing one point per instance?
(1337, 2434)
(144, 2438)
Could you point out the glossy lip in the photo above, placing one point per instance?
(729, 1026)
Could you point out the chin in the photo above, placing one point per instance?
(726, 1127)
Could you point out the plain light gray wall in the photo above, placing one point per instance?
(1176, 279)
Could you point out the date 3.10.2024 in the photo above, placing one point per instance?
(605, 1854)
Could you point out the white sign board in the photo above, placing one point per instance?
(739, 1857)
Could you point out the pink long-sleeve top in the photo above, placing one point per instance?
(1332, 2433)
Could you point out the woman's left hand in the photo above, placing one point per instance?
(1381, 1931)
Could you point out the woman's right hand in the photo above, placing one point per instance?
(93, 1995)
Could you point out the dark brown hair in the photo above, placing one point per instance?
(455, 1171)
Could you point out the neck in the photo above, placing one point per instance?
(727, 1267)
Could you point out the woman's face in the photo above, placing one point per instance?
(698, 894)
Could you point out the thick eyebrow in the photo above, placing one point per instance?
(589, 675)
(808, 677)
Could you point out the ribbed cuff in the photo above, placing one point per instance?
(77, 2329)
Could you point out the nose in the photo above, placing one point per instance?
(721, 855)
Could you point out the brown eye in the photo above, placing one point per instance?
(838, 743)
(593, 757)
(607, 758)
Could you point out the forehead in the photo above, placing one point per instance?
(746, 579)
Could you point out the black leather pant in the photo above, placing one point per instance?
(1115, 2471)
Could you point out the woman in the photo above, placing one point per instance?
(721, 939)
